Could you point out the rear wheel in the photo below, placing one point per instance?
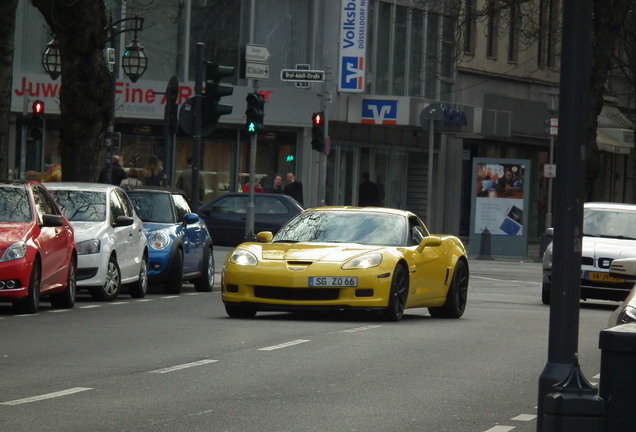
(110, 290)
(139, 288)
(457, 295)
(66, 299)
(172, 285)
(240, 311)
(206, 282)
(545, 292)
(31, 303)
(398, 295)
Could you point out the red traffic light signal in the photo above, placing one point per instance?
(37, 108)
(317, 119)
(318, 131)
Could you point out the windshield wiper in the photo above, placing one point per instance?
(285, 241)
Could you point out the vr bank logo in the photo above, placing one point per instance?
(379, 111)
(352, 73)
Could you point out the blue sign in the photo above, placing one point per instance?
(379, 111)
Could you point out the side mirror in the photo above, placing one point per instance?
(190, 218)
(51, 220)
(124, 221)
(264, 237)
(429, 241)
(549, 232)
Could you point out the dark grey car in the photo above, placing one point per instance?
(226, 215)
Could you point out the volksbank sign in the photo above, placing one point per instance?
(353, 44)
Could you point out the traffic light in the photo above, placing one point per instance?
(318, 131)
(36, 125)
(255, 113)
(214, 91)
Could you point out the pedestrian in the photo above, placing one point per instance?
(153, 174)
(369, 194)
(132, 179)
(276, 186)
(294, 188)
(117, 172)
(257, 186)
(184, 182)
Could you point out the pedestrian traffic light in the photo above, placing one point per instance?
(318, 131)
(214, 91)
(36, 123)
(255, 113)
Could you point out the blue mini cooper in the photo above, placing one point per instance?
(179, 244)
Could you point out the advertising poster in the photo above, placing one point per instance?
(499, 199)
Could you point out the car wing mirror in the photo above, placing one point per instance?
(264, 237)
(51, 220)
(429, 241)
(124, 221)
(549, 232)
(624, 268)
(190, 218)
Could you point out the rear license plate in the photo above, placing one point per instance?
(601, 277)
(333, 281)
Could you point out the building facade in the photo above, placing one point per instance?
(431, 92)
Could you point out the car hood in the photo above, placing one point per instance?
(13, 232)
(150, 227)
(312, 252)
(87, 230)
(608, 248)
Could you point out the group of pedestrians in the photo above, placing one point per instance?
(293, 188)
(153, 173)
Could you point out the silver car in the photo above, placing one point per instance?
(626, 312)
(609, 233)
(111, 245)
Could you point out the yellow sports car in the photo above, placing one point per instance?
(347, 258)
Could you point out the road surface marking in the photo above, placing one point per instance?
(500, 429)
(170, 297)
(524, 417)
(284, 345)
(358, 329)
(47, 396)
(90, 306)
(183, 366)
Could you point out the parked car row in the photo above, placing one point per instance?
(58, 238)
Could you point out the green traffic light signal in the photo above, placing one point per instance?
(255, 113)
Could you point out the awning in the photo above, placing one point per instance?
(606, 139)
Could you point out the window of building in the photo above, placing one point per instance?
(514, 28)
(470, 22)
(548, 33)
(492, 31)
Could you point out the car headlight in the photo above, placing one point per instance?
(87, 247)
(243, 257)
(159, 240)
(15, 251)
(628, 315)
(363, 262)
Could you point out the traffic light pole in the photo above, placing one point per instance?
(196, 127)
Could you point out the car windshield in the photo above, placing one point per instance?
(345, 227)
(153, 207)
(610, 223)
(81, 206)
(15, 205)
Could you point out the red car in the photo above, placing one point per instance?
(37, 250)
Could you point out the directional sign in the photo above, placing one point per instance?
(256, 53)
(302, 75)
(256, 70)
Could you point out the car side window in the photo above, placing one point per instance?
(181, 207)
(416, 232)
(43, 204)
(116, 207)
(267, 205)
(233, 204)
(125, 202)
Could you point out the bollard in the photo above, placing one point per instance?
(618, 376)
(573, 406)
(484, 245)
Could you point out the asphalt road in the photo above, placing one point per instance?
(178, 363)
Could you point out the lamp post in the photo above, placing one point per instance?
(134, 63)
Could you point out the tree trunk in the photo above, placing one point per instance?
(7, 30)
(81, 30)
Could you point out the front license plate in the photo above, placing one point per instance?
(333, 281)
(601, 277)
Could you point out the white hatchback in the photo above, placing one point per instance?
(111, 245)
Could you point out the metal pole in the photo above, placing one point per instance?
(110, 134)
(249, 219)
(566, 270)
(196, 127)
(429, 189)
(548, 215)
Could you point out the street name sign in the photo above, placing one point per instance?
(302, 75)
(256, 53)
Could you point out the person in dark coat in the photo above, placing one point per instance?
(117, 172)
(294, 188)
(276, 186)
(154, 174)
(369, 194)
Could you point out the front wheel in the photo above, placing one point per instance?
(545, 292)
(173, 284)
(457, 295)
(398, 295)
(31, 303)
(139, 288)
(110, 290)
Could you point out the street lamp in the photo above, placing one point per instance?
(134, 63)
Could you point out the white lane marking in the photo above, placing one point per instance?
(524, 417)
(47, 396)
(59, 310)
(169, 297)
(597, 376)
(500, 429)
(142, 300)
(183, 366)
(119, 303)
(192, 294)
(505, 280)
(284, 345)
(90, 306)
(358, 329)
